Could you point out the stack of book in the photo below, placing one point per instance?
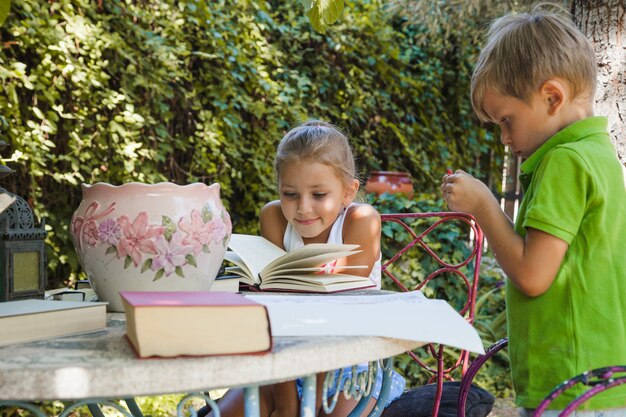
(30, 320)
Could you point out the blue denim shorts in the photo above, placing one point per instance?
(397, 383)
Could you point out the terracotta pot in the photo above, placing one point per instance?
(390, 182)
(150, 237)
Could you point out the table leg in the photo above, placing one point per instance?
(307, 403)
(362, 388)
(387, 370)
(251, 401)
(25, 405)
(133, 407)
(187, 403)
(94, 407)
(95, 410)
(92, 404)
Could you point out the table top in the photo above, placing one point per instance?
(103, 365)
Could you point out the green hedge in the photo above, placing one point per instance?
(189, 91)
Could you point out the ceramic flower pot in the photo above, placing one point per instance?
(390, 182)
(150, 237)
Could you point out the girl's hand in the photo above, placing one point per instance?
(464, 193)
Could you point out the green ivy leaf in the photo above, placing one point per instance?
(322, 13)
(5, 8)
(127, 261)
(205, 249)
(316, 19)
(331, 10)
(179, 272)
(111, 249)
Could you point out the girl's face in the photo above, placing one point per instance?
(311, 197)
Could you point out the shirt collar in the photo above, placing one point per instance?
(572, 133)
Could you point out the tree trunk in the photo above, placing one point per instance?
(604, 22)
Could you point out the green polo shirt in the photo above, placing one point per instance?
(574, 190)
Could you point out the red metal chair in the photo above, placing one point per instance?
(472, 370)
(599, 380)
(423, 232)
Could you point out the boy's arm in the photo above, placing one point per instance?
(362, 227)
(531, 263)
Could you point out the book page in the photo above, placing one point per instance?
(312, 255)
(241, 269)
(308, 270)
(408, 316)
(315, 280)
(255, 252)
(328, 286)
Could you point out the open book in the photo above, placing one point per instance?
(265, 266)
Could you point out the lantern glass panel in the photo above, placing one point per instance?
(25, 271)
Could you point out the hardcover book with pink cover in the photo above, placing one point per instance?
(195, 323)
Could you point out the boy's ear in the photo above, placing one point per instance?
(554, 93)
(350, 192)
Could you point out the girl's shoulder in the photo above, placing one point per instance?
(359, 212)
(362, 225)
(271, 207)
(272, 213)
(273, 223)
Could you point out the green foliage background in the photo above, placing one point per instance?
(190, 90)
(187, 91)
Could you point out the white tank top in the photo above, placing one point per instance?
(292, 241)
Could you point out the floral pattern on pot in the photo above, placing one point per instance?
(164, 249)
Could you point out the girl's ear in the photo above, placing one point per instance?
(554, 92)
(350, 192)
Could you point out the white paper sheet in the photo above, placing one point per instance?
(409, 316)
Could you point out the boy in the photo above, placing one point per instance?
(565, 257)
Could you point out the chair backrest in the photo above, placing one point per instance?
(598, 380)
(415, 241)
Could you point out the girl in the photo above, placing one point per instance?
(317, 185)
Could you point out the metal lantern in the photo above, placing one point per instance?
(22, 256)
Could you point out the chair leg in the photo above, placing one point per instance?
(466, 381)
(205, 409)
(440, 378)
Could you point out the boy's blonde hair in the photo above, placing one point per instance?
(524, 50)
(317, 141)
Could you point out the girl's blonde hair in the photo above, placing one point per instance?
(317, 141)
(524, 50)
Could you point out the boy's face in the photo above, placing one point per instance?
(524, 127)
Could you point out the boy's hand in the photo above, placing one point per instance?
(531, 263)
(465, 193)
